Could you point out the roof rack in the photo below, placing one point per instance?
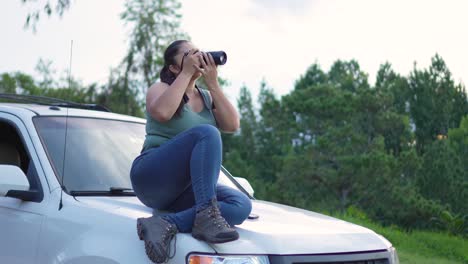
(44, 100)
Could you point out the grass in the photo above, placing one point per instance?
(418, 247)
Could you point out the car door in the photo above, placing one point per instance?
(20, 221)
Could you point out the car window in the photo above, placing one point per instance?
(11, 148)
(13, 152)
(98, 154)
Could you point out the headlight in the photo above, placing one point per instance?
(393, 256)
(231, 259)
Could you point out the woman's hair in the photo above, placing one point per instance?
(166, 75)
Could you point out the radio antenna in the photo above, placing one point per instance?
(62, 185)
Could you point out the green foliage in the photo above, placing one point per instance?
(112, 95)
(248, 125)
(454, 224)
(392, 98)
(458, 138)
(7, 83)
(47, 7)
(416, 247)
(442, 176)
(335, 142)
(271, 135)
(389, 81)
(118, 96)
(155, 24)
(313, 76)
(347, 75)
(436, 103)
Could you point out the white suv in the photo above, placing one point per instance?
(47, 147)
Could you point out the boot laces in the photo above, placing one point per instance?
(167, 238)
(218, 219)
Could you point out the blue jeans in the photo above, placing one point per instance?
(181, 176)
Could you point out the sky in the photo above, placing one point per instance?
(271, 40)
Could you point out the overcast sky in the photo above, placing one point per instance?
(275, 40)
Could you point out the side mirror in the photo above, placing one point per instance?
(14, 183)
(246, 185)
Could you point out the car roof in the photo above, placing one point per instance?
(31, 110)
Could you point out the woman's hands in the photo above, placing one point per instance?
(190, 61)
(196, 61)
(209, 70)
(194, 64)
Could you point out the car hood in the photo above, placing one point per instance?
(282, 229)
(279, 229)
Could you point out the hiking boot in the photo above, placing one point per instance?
(157, 234)
(211, 227)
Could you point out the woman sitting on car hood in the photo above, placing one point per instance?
(179, 165)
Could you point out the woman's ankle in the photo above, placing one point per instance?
(206, 204)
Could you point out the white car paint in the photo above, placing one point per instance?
(102, 230)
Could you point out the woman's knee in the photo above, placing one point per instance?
(246, 205)
(206, 130)
(243, 210)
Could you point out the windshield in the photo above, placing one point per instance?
(99, 152)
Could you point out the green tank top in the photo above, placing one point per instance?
(157, 133)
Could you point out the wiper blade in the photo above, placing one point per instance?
(113, 191)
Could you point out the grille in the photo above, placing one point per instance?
(376, 257)
(375, 261)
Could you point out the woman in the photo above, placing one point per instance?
(178, 167)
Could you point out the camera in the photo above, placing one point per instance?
(219, 57)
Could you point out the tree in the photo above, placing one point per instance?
(442, 176)
(47, 7)
(390, 82)
(245, 136)
(391, 94)
(272, 135)
(19, 83)
(248, 125)
(117, 96)
(347, 75)
(458, 140)
(155, 25)
(44, 69)
(240, 149)
(326, 140)
(327, 143)
(313, 76)
(112, 96)
(436, 103)
(7, 83)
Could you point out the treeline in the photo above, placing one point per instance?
(397, 150)
(114, 94)
(152, 25)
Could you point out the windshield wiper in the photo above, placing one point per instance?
(113, 191)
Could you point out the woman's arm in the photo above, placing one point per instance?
(225, 113)
(162, 100)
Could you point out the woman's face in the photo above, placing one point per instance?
(184, 47)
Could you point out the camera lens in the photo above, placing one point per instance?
(220, 57)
